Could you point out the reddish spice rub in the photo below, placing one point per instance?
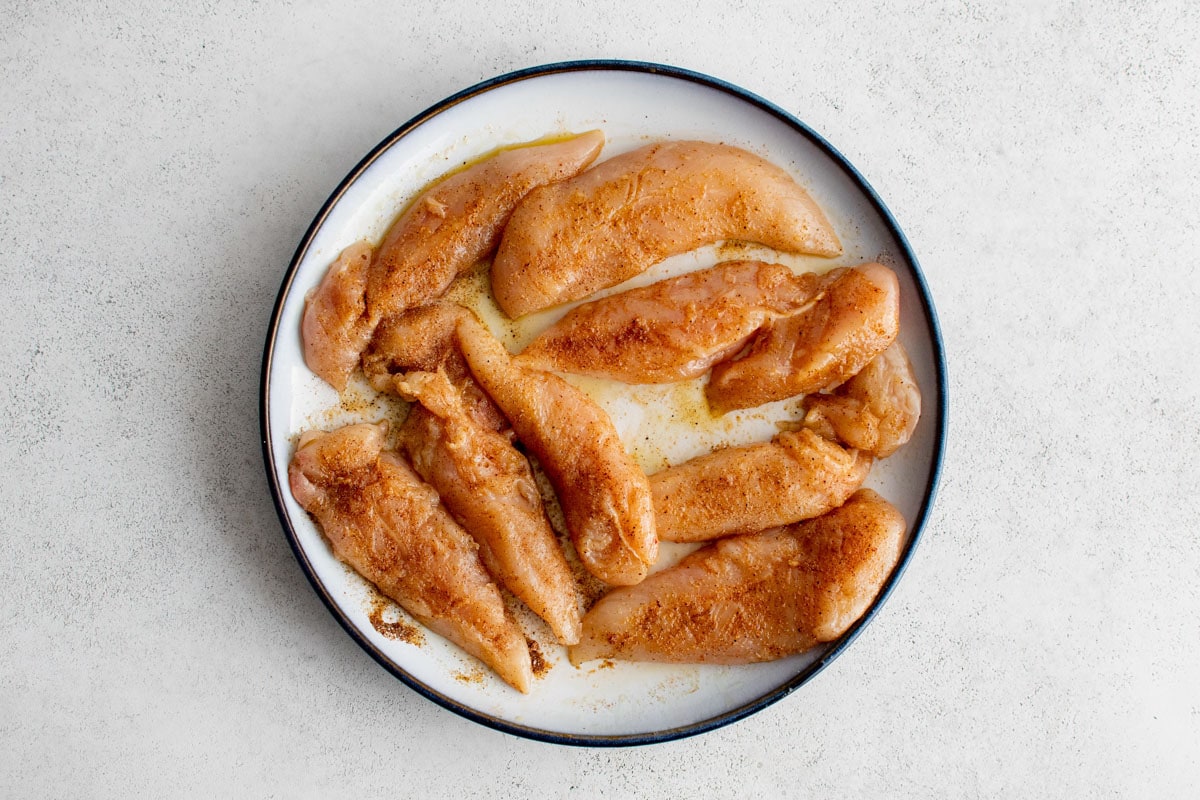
(575, 237)
(397, 630)
(756, 597)
(541, 667)
(796, 476)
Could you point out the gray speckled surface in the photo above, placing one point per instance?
(157, 169)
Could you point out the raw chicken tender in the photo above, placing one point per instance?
(674, 329)
(604, 494)
(334, 328)
(753, 598)
(877, 410)
(798, 475)
(448, 228)
(573, 238)
(386, 523)
(856, 319)
(489, 488)
(424, 340)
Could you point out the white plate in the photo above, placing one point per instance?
(600, 703)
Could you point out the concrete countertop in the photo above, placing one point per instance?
(159, 165)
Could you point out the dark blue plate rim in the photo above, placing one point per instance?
(940, 411)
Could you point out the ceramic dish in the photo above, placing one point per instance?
(601, 703)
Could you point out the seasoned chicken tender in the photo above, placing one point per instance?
(424, 340)
(796, 476)
(604, 494)
(446, 230)
(855, 319)
(489, 488)
(757, 597)
(386, 523)
(334, 328)
(568, 240)
(877, 410)
(674, 329)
